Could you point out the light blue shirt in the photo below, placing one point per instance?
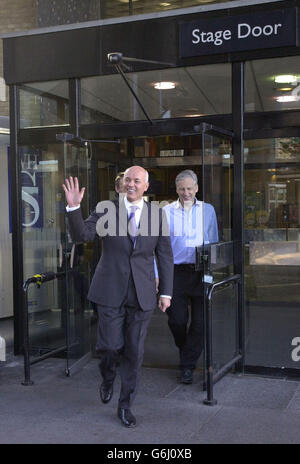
(190, 228)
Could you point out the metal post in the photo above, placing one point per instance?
(209, 367)
(27, 380)
(241, 325)
(238, 103)
(16, 217)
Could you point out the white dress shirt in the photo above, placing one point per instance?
(138, 211)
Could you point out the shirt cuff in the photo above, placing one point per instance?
(166, 296)
(72, 208)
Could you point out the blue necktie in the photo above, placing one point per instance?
(132, 228)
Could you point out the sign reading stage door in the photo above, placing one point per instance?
(265, 29)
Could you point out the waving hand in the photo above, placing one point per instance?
(72, 192)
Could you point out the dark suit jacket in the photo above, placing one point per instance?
(119, 258)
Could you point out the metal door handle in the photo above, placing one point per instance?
(72, 256)
(60, 255)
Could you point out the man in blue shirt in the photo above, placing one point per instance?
(192, 223)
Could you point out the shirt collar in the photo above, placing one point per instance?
(139, 205)
(178, 204)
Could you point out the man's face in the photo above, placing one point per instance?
(134, 184)
(186, 190)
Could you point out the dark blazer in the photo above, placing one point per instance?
(119, 258)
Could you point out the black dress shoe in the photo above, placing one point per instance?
(106, 392)
(127, 418)
(187, 376)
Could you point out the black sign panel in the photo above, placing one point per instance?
(270, 29)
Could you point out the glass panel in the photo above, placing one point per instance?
(79, 310)
(116, 8)
(217, 220)
(147, 6)
(6, 288)
(59, 312)
(272, 233)
(197, 91)
(61, 12)
(273, 84)
(224, 326)
(218, 172)
(43, 222)
(44, 104)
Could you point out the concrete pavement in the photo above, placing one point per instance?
(67, 410)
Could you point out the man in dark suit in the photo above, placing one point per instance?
(123, 285)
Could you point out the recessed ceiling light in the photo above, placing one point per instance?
(285, 89)
(285, 79)
(287, 98)
(165, 4)
(164, 85)
(193, 115)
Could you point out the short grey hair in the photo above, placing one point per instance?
(186, 173)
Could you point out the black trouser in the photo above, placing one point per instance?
(187, 287)
(122, 331)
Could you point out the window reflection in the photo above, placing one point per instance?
(116, 8)
(44, 104)
(272, 188)
(272, 253)
(273, 84)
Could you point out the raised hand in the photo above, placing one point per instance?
(72, 192)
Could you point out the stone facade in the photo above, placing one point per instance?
(55, 12)
(16, 15)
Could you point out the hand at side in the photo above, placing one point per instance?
(163, 303)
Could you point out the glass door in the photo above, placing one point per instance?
(216, 255)
(59, 314)
(77, 260)
(43, 229)
(272, 251)
(90, 163)
(207, 151)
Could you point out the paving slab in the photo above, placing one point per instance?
(61, 410)
(234, 425)
(257, 392)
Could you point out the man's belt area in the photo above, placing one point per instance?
(185, 267)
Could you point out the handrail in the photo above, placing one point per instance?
(223, 282)
(38, 279)
(212, 377)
